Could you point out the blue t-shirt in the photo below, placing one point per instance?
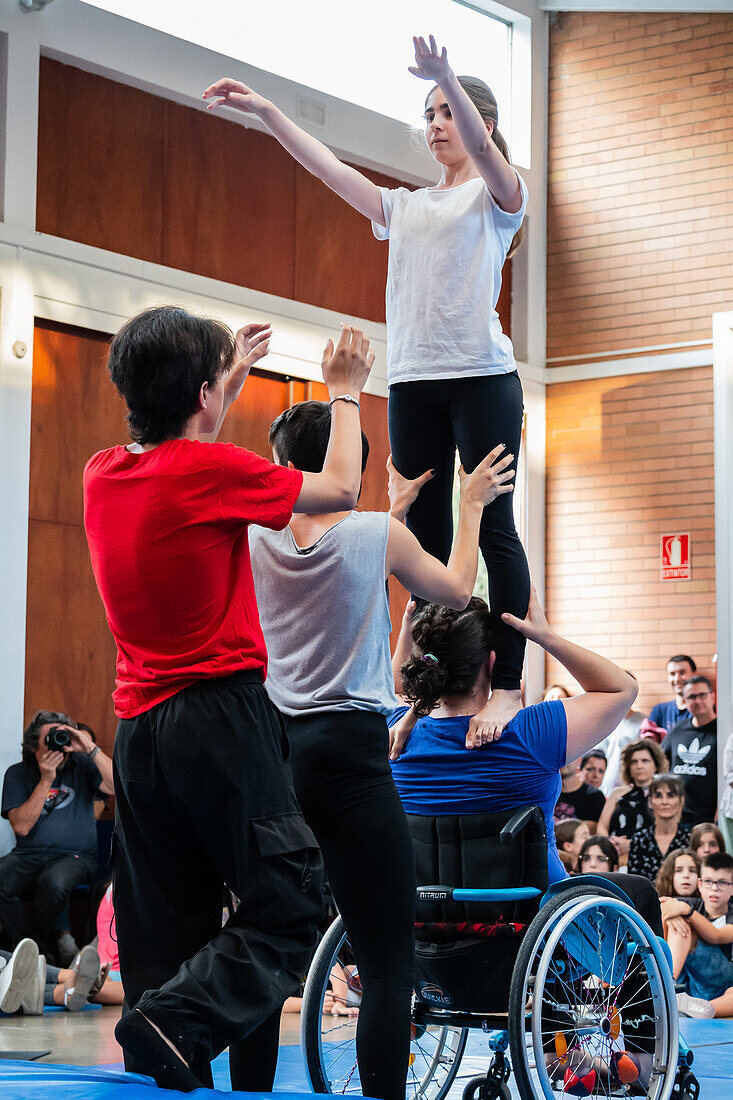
(437, 774)
(667, 715)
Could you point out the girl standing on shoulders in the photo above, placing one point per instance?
(451, 370)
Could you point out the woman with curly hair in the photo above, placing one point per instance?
(626, 809)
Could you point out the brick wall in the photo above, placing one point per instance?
(640, 235)
(629, 459)
(640, 219)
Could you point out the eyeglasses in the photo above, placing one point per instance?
(698, 695)
(710, 883)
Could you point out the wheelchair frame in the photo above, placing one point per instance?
(566, 909)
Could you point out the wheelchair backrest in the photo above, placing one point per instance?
(466, 851)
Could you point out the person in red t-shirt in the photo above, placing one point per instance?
(204, 797)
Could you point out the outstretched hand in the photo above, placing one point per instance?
(534, 625)
(430, 62)
(346, 366)
(232, 93)
(402, 491)
(253, 343)
(491, 478)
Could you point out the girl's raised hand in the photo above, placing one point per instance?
(430, 62)
(232, 93)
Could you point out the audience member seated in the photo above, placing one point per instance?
(626, 732)
(577, 798)
(447, 679)
(702, 961)
(49, 800)
(678, 878)
(555, 692)
(597, 857)
(692, 750)
(593, 767)
(570, 836)
(679, 670)
(626, 810)
(706, 840)
(28, 983)
(667, 832)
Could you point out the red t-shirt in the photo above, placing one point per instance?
(167, 534)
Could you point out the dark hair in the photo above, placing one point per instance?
(32, 732)
(718, 861)
(159, 361)
(661, 763)
(664, 882)
(673, 783)
(565, 831)
(449, 649)
(700, 830)
(597, 754)
(485, 103)
(699, 679)
(606, 847)
(301, 433)
(680, 658)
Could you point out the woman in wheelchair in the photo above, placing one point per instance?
(443, 666)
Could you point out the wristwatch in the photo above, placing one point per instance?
(94, 752)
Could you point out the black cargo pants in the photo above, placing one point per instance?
(205, 798)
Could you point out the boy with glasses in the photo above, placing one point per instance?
(703, 962)
(691, 749)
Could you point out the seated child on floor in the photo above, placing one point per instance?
(570, 836)
(701, 947)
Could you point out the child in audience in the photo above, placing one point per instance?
(570, 836)
(597, 856)
(678, 875)
(706, 840)
(703, 962)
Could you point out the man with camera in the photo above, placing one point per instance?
(49, 800)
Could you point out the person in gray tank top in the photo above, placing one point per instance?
(322, 596)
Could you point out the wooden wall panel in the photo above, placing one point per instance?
(70, 654)
(339, 263)
(76, 411)
(630, 459)
(640, 211)
(229, 202)
(101, 159)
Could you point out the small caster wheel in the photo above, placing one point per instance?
(480, 1088)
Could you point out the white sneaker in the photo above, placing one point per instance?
(32, 1003)
(696, 1007)
(18, 975)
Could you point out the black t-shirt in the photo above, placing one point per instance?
(67, 824)
(693, 756)
(586, 803)
(631, 814)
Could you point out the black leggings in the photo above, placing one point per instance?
(427, 421)
(345, 789)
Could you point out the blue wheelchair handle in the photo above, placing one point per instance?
(450, 893)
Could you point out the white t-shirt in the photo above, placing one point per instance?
(447, 249)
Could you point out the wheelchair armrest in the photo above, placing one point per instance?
(465, 893)
(519, 821)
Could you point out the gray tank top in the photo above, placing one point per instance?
(324, 612)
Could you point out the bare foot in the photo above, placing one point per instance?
(491, 720)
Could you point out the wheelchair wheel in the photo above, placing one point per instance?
(595, 987)
(329, 1043)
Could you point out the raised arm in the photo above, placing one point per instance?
(451, 585)
(345, 371)
(608, 690)
(317, 158)
(24, 817)
(431, 63)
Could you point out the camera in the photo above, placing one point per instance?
(57, 739)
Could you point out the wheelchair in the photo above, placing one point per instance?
(569, 986)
